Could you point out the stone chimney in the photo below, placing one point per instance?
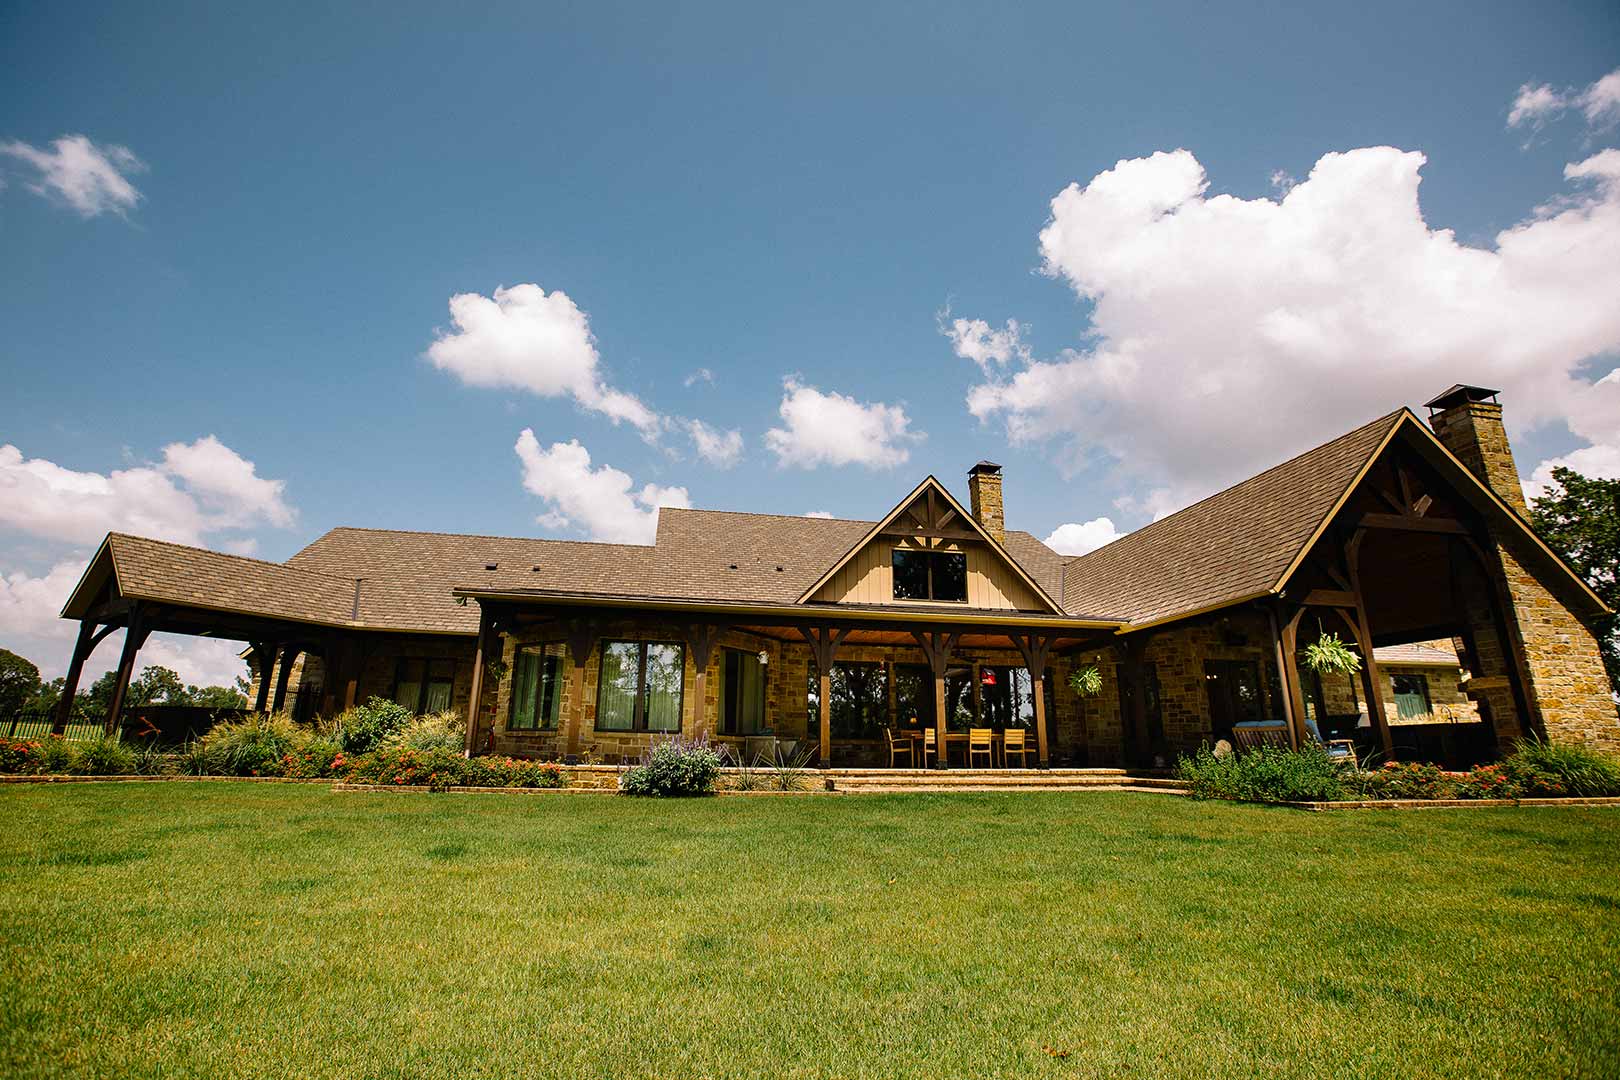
(1468, 419)
(984, 483)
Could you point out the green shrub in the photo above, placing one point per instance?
(254, 745)
(152, 761)
(103, 756)
(1543, 769)
(320, 756)
(365, 727)
(674, 768)
(191, 760)
(1488, 782)
(439, 731)
(1267, 774)
(57, 756)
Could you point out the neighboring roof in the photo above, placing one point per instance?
(930, 484)
(174, 573)
(1232, 546)
(1419, 653)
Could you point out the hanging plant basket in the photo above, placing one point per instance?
(1086, 681)
(1327, 655)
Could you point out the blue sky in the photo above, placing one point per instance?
(760, 194)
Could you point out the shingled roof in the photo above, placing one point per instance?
(1234, 545)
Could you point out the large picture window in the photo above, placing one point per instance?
(1007, 697)
(424, 686)
(641, 686)
(860, 700)
(930, 575)
(742, 693)
(537, 685)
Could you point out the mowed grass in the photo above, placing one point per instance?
(236, 930)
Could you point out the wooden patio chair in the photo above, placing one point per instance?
(898, 748)
(930, 746)
(1013, 742)
(1248, 735)
(1341, 750)
(982, 740)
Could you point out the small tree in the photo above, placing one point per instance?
(1579, 517)
(19, 682)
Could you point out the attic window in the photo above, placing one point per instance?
(930, 575)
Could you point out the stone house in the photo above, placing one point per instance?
(831, 639)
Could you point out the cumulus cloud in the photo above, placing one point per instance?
(719, 448)
(1228, 333)
(524, 338)
(1077, 538)
(832, 429)
(1598, 103)
(91, 179)
(597, 501)
(198, 488)
(30, 626)
(977, 340)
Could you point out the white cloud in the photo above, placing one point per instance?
(832, 429)
(526, 339)
(1229, 333)
(91, 179)
(820, 514)
(1077, 538)
(1599, 103)
(976, 340)
(702, 374)
(599, 501)
(719, 448)
(198, 488)
(30, 626)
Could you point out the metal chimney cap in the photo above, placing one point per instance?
(1460, 394)
(985, 467)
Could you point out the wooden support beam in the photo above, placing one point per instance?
(1035, 648)
(70, 686)
(289, 653)
(700, 642)
(1357, 620)
(134, 638)
(1329, 598)
(824, 642)
(265, 654)
(1412, 523)
(937, 647)
(1287, 642)
(475, 700)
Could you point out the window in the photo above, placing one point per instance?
(913, 695)
(424, 686)
(641, 686)
(930, 575)
(537, 684)
(1234, 694)
(742, 693)
(860, 700)
(1411, 696)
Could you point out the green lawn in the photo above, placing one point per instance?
(213, 930)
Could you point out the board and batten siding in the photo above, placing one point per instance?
(868, 578)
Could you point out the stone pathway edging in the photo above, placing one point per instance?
(1442, 804)
(68, 778)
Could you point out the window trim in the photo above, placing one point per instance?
(929, 556)
(638, 710)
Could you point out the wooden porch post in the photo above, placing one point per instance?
(476, 697)
(1287, 641)
(1035, 649)
(134, 638)
(581, 637)
(937, 646)
(289, 653)
(700, 641)
(70, 686)
(265, 653)
(1363, 636)
(824, 642)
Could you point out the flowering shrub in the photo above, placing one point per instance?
(511, 772)
(1488, 782)
(19, 755)
(676, 767)
(437, 769)
(321, 756)
(1408, 780)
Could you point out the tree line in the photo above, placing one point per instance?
(23, 691)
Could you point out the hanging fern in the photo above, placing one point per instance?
(1327, 655)
(1086, 681)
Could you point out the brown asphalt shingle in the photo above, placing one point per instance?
(158, 570)
(1234, 544)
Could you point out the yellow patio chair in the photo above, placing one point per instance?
(898, 748)
(982, 740)
(1013, 742)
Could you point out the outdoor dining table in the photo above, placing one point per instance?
(998, 748)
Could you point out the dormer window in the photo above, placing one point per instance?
(940, 576)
